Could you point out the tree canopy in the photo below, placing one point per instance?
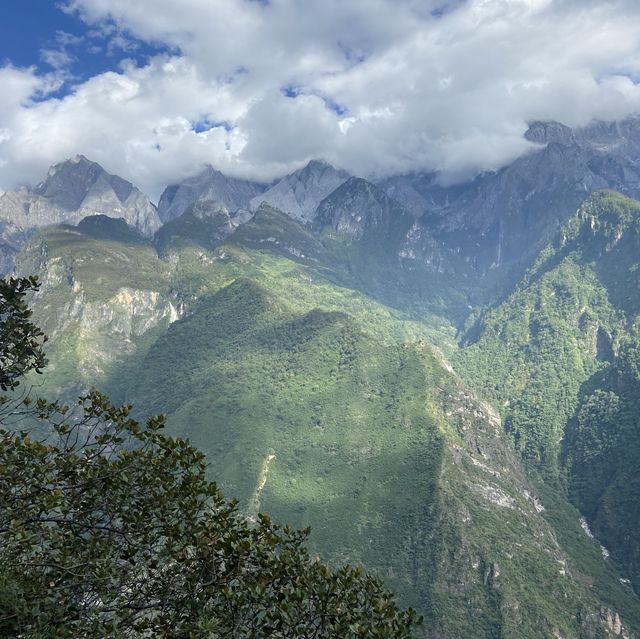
(110, 528)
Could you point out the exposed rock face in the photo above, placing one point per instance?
(210, 185)
(612, 623)
(72, 190)
(207, 223)
(360, 212)
(75, 189)
(421, 250)
(621, 139)
(358, 209)
(300, 193)
(94, 328)
(107, 331)
(501, 219)
(404, 191)
(422, 193)
(547, 132)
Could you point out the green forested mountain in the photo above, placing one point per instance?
(319, 404)
(559, 357)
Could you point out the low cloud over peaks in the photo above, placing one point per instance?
(375, 86)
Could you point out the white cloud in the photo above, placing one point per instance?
(376, 86)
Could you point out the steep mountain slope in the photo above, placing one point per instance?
(300, 193)
(231, 193)
(104, 292)
(205, 220)
(601, 453)
(319, 424)
(390, 255)
(360, 211)
(500, 221)
(72, 190)
(559, 357)
(321, 406)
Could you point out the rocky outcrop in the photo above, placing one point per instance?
(72, 190)
(359, 210)
(97, 307)
(548, 132)
(612, 623)
(300, 193)
(104, 332)
(499, 220)
(210, 185)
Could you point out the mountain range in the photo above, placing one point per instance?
(441, 380)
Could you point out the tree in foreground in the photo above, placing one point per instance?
(112, 529)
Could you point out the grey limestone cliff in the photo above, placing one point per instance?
(210, 185)
(300, 193)
(71, 191)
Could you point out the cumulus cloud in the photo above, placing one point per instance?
(377, 87)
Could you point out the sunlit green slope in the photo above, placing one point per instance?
(323, 407)
(560, 359)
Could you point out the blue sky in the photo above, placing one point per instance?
(155, 89)
(28, 26)
(40, 34)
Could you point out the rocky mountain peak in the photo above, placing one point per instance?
(299, 193)
(362, 191)
(359, 208)
(318, 166)
(71, 191)
(69, 183)
(209, 185)
(548, 132)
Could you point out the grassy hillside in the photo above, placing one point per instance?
(376, 447)
(323, 407)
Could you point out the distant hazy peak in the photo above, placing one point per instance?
(299, 193)
(361, 190)
(72, 190)
(209, 185)
(77, 159)
(368, 187)
(321, 165)
(68, 183)
(621, 137)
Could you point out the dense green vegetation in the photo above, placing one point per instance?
(534, 352)
(559, 357)
(326, 408)
(316, 421)
(112, 529)
(602, 452)
(563, 323)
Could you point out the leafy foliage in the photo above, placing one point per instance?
(113, 529)
(329, 409)
(20, 340)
